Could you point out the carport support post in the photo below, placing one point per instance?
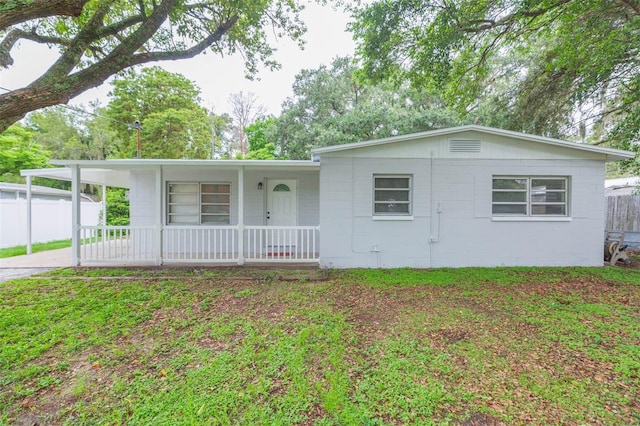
(104, 205)
(75, 215)
(159, 203)
(241, 216)
(28, 214)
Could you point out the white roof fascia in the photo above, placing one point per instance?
(93, 176)
(128, 164)
(35, 189)
(610, 153)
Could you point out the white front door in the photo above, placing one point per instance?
(282, 202)
(282, 210)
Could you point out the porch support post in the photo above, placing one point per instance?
(241, 216)
(159, 203)
(28, 214)
(75, 215)
(104, 205)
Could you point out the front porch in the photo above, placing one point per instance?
(202, 244)
(199, 211)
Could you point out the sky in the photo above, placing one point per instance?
(216, 76)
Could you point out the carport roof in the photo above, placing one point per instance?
(116, 172)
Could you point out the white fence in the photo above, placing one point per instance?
(50, 220)
(116, 243)
(282, 243)
(203, 244)
(189, 244)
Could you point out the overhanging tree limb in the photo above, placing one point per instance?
(19, 11)
(114, 35)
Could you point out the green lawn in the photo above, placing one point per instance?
(35, 247)
(372, 347)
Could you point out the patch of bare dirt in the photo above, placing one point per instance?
(78, 382)
(372, 312)
(590, 290)
(481, 419)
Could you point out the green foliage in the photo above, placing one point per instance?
(221, 129)
(565, 69)
(71, 135)
(18, 151)
(331, 107)
(174, 125)
(473, 277)
(117, 207)
(257, 135)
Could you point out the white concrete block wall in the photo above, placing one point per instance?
(142, 198)
(350, 236)
(142, 194)
(465, 232)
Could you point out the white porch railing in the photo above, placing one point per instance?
(116, 243)
(198, 244)
(201, 244)
(282, 243)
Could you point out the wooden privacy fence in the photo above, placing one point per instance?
(623, 213)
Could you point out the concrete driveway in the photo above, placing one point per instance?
(27, 265)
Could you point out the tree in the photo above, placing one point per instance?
(174, 125)
(117, 207)
(552, 67)
(258, 139)
(245, 109)
(100, 38)
(18, 152)
(59, 131)
(100, 136)
(330, 107)
(221, 130)
(72, 133)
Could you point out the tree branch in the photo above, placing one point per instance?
(112, 30)
(76, 48)
(18, 11)
(14, 35)
(480, 25)
(195, 50)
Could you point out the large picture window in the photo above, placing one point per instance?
(530, 196)
(195, 203)
(392, 195)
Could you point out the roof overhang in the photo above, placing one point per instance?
(609, 153)
(116, 172)
(139, 164)
(35, 189)
(92, 176)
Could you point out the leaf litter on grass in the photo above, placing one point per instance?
(211, 350)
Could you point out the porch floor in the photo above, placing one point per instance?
(62, 258)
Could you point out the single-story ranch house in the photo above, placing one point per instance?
(463, 196)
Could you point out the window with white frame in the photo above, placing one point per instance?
(530, 196)
(196, 203)
(392, 195)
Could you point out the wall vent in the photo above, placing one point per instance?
(464, 145)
